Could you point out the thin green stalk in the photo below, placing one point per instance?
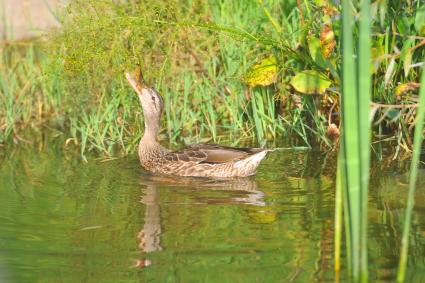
(355, 144)
(338, 222)
(417, 143)
(257, 120)
(275, 24)
(343, 184)
(350, 161)
(364, 96)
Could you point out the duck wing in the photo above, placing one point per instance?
(210, 153)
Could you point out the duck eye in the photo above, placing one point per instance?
(153, 98)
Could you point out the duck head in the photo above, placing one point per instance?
(152, 103)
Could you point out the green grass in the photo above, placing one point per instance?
(197, 54)
(23, 102)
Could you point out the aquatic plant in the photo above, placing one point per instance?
(417, 150)
(354, 155)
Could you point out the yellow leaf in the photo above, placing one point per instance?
(310, 82)
(263, 73)
(403, 88)
(378, 55)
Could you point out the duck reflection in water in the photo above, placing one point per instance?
(148, 238)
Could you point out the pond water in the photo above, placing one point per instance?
(64, 220)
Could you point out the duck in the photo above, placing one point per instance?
(197, 160)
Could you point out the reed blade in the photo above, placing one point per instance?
(364, 96)
(417, 143)
(355, 142)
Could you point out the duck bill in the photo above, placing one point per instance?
(135, 82)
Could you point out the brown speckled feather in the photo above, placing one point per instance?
(201, 160)
(211, 153)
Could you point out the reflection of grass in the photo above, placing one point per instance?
(78, 221)
(196, 55)
(49, 197)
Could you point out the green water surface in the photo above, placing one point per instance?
(64, 220)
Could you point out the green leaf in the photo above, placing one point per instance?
(310, 82)
(321, 3)
(420, 20)
(392, 113)
(407, 62)
(406, 55)
(382, 11)
(263, 73)
(403, 24)
(315, 46)
(377, 54)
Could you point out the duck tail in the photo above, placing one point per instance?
(248, 166)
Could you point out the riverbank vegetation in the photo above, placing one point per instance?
(234, 72)
(228, 71)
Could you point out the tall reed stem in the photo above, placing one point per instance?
(417, 143)
(355, 142)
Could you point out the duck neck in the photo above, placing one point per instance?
(151, 131)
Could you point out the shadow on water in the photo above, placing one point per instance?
(63, 220)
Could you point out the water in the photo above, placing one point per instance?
(63, 220)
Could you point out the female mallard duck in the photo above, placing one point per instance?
(201, 160)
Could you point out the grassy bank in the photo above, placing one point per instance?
(228, 70)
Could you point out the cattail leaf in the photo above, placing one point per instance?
(310, 82)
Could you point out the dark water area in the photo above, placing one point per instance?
(64, 220)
